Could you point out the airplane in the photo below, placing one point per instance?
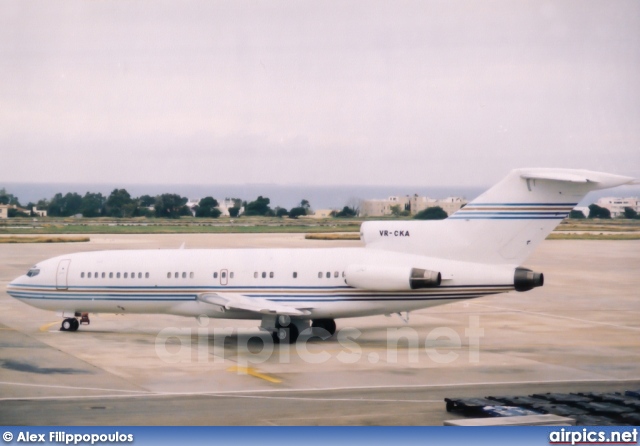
(404, 266)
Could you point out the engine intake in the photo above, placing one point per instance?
(524, 279)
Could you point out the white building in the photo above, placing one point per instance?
(380, 208)
(414, 204)
(227, 203)
(191, 204)
(616, 205)
(38, 212)
(4, 211)
(451, 205)
(321, 213)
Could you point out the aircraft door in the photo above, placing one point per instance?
(62, 274)
(224, 277)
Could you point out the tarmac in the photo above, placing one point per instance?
(579, 332)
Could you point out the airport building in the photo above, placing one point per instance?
(4, 211)
(380, 208)
(414, 204)
(616, 205)
(227, 203)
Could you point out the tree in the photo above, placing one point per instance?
(13, 212)
(258, 207)
(297, 212)
(146, 201)
(65, 206)
(355, 204)
(208, 207)
(397, 211)
(119, 204)
(92, 205)
(630, 213)
(576, 214)
(281, 212)
(171, 206)
(42, 204)
(234, 211)
(7, 198)
(596, 211)
(346, 212)
(431, 213)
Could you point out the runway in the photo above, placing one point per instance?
(578, 332)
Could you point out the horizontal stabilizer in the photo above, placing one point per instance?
(599, 180)
(235, 301)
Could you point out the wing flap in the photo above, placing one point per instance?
(235, 301)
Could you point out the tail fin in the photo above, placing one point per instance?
(504, 224)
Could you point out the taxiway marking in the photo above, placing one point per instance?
(253, 372)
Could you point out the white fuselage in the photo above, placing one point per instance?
(170, 281)
(405, 265)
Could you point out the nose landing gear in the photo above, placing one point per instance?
(70, 324)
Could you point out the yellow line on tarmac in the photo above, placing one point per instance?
(46, 327)
(253, 372)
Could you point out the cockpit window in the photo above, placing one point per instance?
(33, 272)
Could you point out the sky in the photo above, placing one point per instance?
(442, 93)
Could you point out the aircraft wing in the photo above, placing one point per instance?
(235, 301)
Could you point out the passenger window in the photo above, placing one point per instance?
(146, 275)
(295, 275)
(95, 275)
(190, 275)
(89, 275)
(110, 275)
(104, 275)
(117, 275)
(126, 275)
(215, 275)
(223, 275)
(335, 274)
(184, 275)
(139, 275)
(168, 275)
(264, 275)
(176, 275)
(342, 273)
(231, 275)
(271, 275)
(328, 274)
(320, 275)
(82, 275)
(255, 275)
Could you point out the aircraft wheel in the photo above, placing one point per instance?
(287, 335)
(326, 324)
(67, 324)
(74, 324)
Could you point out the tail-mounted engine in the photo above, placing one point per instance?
(524, 279)
(390, 278)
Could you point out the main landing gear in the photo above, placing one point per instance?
(286, 330)
(325, 324)
(72, 323)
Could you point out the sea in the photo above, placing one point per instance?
(286, 196)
